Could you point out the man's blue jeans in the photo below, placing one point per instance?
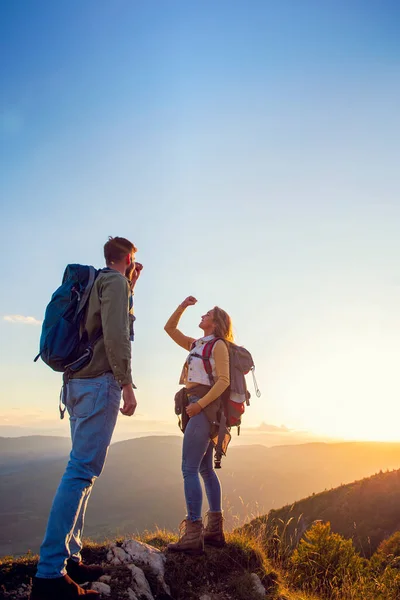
(93, 406)
(197, 457)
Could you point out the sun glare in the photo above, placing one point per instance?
(340, 388)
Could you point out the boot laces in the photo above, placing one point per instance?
(208, 518)
(182, 528)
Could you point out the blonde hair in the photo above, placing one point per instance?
(223, 324)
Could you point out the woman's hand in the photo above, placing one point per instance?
(193, 409)
(189, 301)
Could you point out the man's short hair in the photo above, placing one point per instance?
(117, 248)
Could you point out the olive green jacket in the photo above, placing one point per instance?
(108, 310)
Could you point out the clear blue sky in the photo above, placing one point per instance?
(250, 149)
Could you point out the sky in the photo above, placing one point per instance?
(250, 150)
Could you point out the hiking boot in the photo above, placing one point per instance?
(213, 533)
(81, 573)
(191, 538)
(61, 588)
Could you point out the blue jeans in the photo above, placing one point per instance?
(197, 457)
(93, 406)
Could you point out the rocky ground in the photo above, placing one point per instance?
(136, 570)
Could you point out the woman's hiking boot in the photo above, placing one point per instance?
(81, 573)
(214, 533)
(60, 588)
(191, 539)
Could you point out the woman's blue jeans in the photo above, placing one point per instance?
(93, 406)
(197, 457)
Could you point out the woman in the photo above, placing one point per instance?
(204, 403)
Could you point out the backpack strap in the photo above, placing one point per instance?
(207, 350)
(88, 289)
(221, 436)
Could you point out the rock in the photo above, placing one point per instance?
(105, 578)
(258, 586)
(117, 556)
(111, 558)
(205, 597)
(147, 555)
(132, 595)
(102, 588)
(140, 584)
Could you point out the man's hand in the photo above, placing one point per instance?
(193, 409)
(189, 301)
(136, 274)
(128, 396)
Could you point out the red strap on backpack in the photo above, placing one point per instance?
(207, 350)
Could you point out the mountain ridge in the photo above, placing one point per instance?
(365, 511)
(144, 475)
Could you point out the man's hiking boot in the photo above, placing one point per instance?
(81, 573)
(213, 533)
(61, 588)
(191, 538)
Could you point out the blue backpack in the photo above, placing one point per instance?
(63, 347)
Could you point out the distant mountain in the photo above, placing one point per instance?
(265, 434)
(17, 453)
(367, 511)
(142, 487)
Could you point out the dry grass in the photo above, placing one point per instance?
(224, 574)
(16, 572)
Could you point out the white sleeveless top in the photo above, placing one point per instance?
(193, 369)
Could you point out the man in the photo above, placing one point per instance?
(93, 397)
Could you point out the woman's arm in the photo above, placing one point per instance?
(171, 327)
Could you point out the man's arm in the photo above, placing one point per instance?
(114, 306)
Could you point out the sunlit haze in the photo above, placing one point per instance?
(250, 150)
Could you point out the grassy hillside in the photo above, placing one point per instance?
(324, 566)
(294, 551)
(221, 574)
(365, 511)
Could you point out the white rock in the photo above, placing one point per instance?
(105, 578)
(103, 588)
(132, 595)
(111, 558)
(205, 597)
(117, 556)
(141, 552)
(258, 586)
(140, 584)
(147, 555)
